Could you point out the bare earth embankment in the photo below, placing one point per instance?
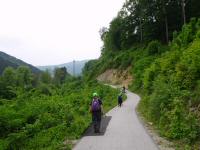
(116, 77)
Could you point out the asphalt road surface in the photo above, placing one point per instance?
(120, 130)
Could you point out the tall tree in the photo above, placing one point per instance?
(24, 77)
(192, 9)
(45, 77)
(8, 83)
(147, 20)
(163, 11)
(9, 76)
(60, 75)
(183, 11)
(112, 40)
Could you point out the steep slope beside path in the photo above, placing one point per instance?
(121, 129)
(114, 76)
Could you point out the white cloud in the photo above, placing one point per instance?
(43, 32)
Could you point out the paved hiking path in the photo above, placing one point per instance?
(121, 130)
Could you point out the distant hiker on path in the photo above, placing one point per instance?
(123, 90)
(96, 110)
(120, 100)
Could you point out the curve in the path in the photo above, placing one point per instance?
(121, 130)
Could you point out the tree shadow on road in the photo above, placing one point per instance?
(104, 123)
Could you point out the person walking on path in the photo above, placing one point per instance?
(123, 131)
(123, 90)
(120, 100)
(96, 109)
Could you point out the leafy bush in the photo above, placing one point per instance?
(154, 48)
(45, 116)
(138, 71)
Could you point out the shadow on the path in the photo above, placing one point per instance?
(104, 123)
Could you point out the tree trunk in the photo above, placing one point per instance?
(141, 34)
(183, 11)
(167, 30)
(166, 24)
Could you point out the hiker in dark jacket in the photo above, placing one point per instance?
(123, 90)
(120, 100)
(96, 110)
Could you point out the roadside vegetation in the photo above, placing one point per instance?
(46, 112)
(158, 39)
(164, 54)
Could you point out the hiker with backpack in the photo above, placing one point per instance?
(120, 100)
(123, 90)
(96, 110)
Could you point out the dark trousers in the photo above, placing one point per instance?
(119, 103)
(96, 120)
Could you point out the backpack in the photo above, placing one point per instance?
(120, 98)
(95, 105)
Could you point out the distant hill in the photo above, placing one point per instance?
(78, 67)
(10, 61)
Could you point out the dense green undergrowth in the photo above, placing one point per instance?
(48, 116)
(170, 87)
(168, 78)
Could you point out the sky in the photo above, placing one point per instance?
(51, 32)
